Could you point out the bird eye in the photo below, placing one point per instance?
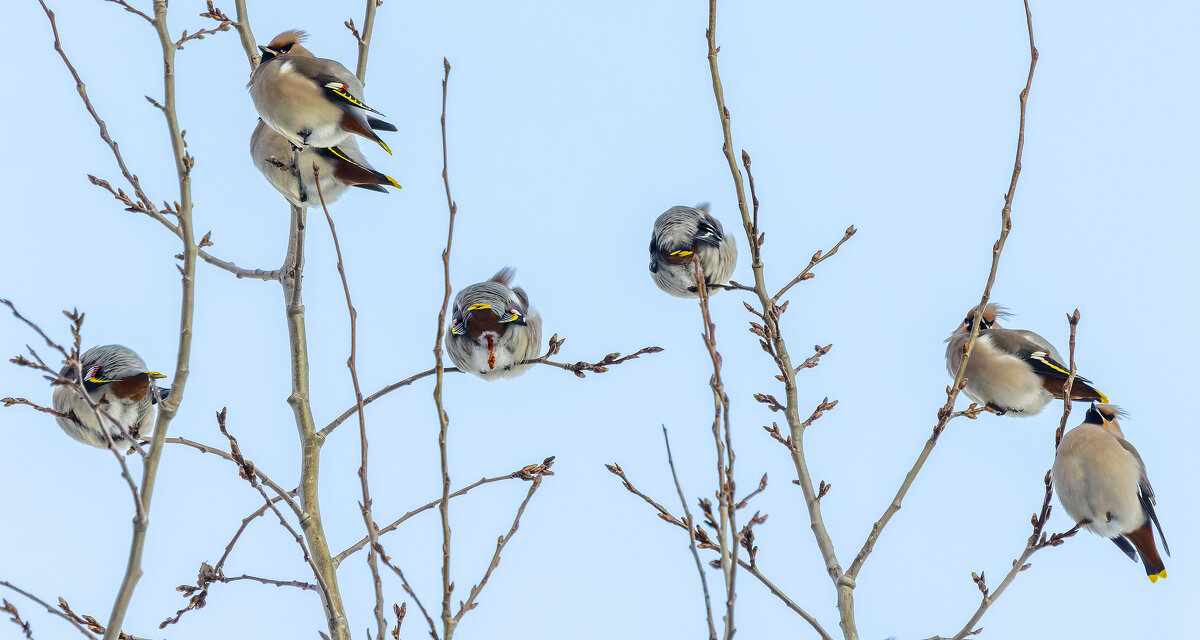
(285, 48)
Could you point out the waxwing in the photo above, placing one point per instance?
(493, 329)
(310, 101)
(681, 232)
(340, 167)
(118, 383)
(1012, 370)
(1100, 477)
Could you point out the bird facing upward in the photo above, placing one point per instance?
(493, 328)
(1012, 370)
(1100, 477)
(310, 101)
(118, 384)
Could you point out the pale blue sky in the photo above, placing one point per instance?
(571, 126)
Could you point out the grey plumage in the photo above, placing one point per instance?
(117, 381)
(1013, 371)
(1100, 477)
(310, 101)
(681, 232)
(338, 168)
(493, 311)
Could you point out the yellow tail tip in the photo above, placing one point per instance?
(1155, 576)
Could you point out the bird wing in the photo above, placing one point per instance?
(708, 230)
(1146, 492)
(340, 86)
(1034, 350)
(1125, 546)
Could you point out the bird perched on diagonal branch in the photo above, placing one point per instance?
(118, 383)
(1100, 477)
(1012, 371)
(493, 328)
(681, 232)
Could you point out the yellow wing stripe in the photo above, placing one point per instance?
(337, 89)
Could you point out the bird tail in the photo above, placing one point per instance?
(352, 173)
(360, 127)
(163, 392)
(1081, 389)
(1143, 540)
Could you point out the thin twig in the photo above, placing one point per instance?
(365, 505)
(448, 622)
(946, 412)
(364, 42)
(518, 474)
(704, 542)
(691, 525)
(387, 561)
(500, 543)
(52, 610)
(817, 258)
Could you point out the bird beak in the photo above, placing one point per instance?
(477, 306)
(154, 375)
(265, 49)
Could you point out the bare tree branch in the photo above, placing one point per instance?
(365, 505)
(691, 526)
(48, 608)
(448, 622)
(946, 412)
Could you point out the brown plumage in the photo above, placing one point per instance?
(1143, 540)
(133, 388)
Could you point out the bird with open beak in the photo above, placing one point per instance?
(1100, 477)
(118, 383)
(681, 232)
(310, 101)
(493, 328)
(1012, 371)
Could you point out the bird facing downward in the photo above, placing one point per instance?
(1100, 477)
(493, 328)
(681, 232)
(310, 101)
(340, 167)
(1012, 370)
(118, 384)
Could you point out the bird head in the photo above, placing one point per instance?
(1105, 415)
(285, 44)
(991, 312)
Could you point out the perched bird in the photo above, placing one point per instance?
(118, 384)
(310, 101)
(1012, 370)
(493, 328)
(340, 167)
(1100, 477)
(681, 232)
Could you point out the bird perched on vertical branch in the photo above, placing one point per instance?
(118, 383)
(310, 101)
(493, 328)
(681, 232)
(1012, 370)
(340, 167)
(1100, 477)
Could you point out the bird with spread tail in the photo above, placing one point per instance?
(119, 385)
(311, 101)
(1012, 371)
(1101, 478)
(681, 232)
(338, 167)
(493, 328)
